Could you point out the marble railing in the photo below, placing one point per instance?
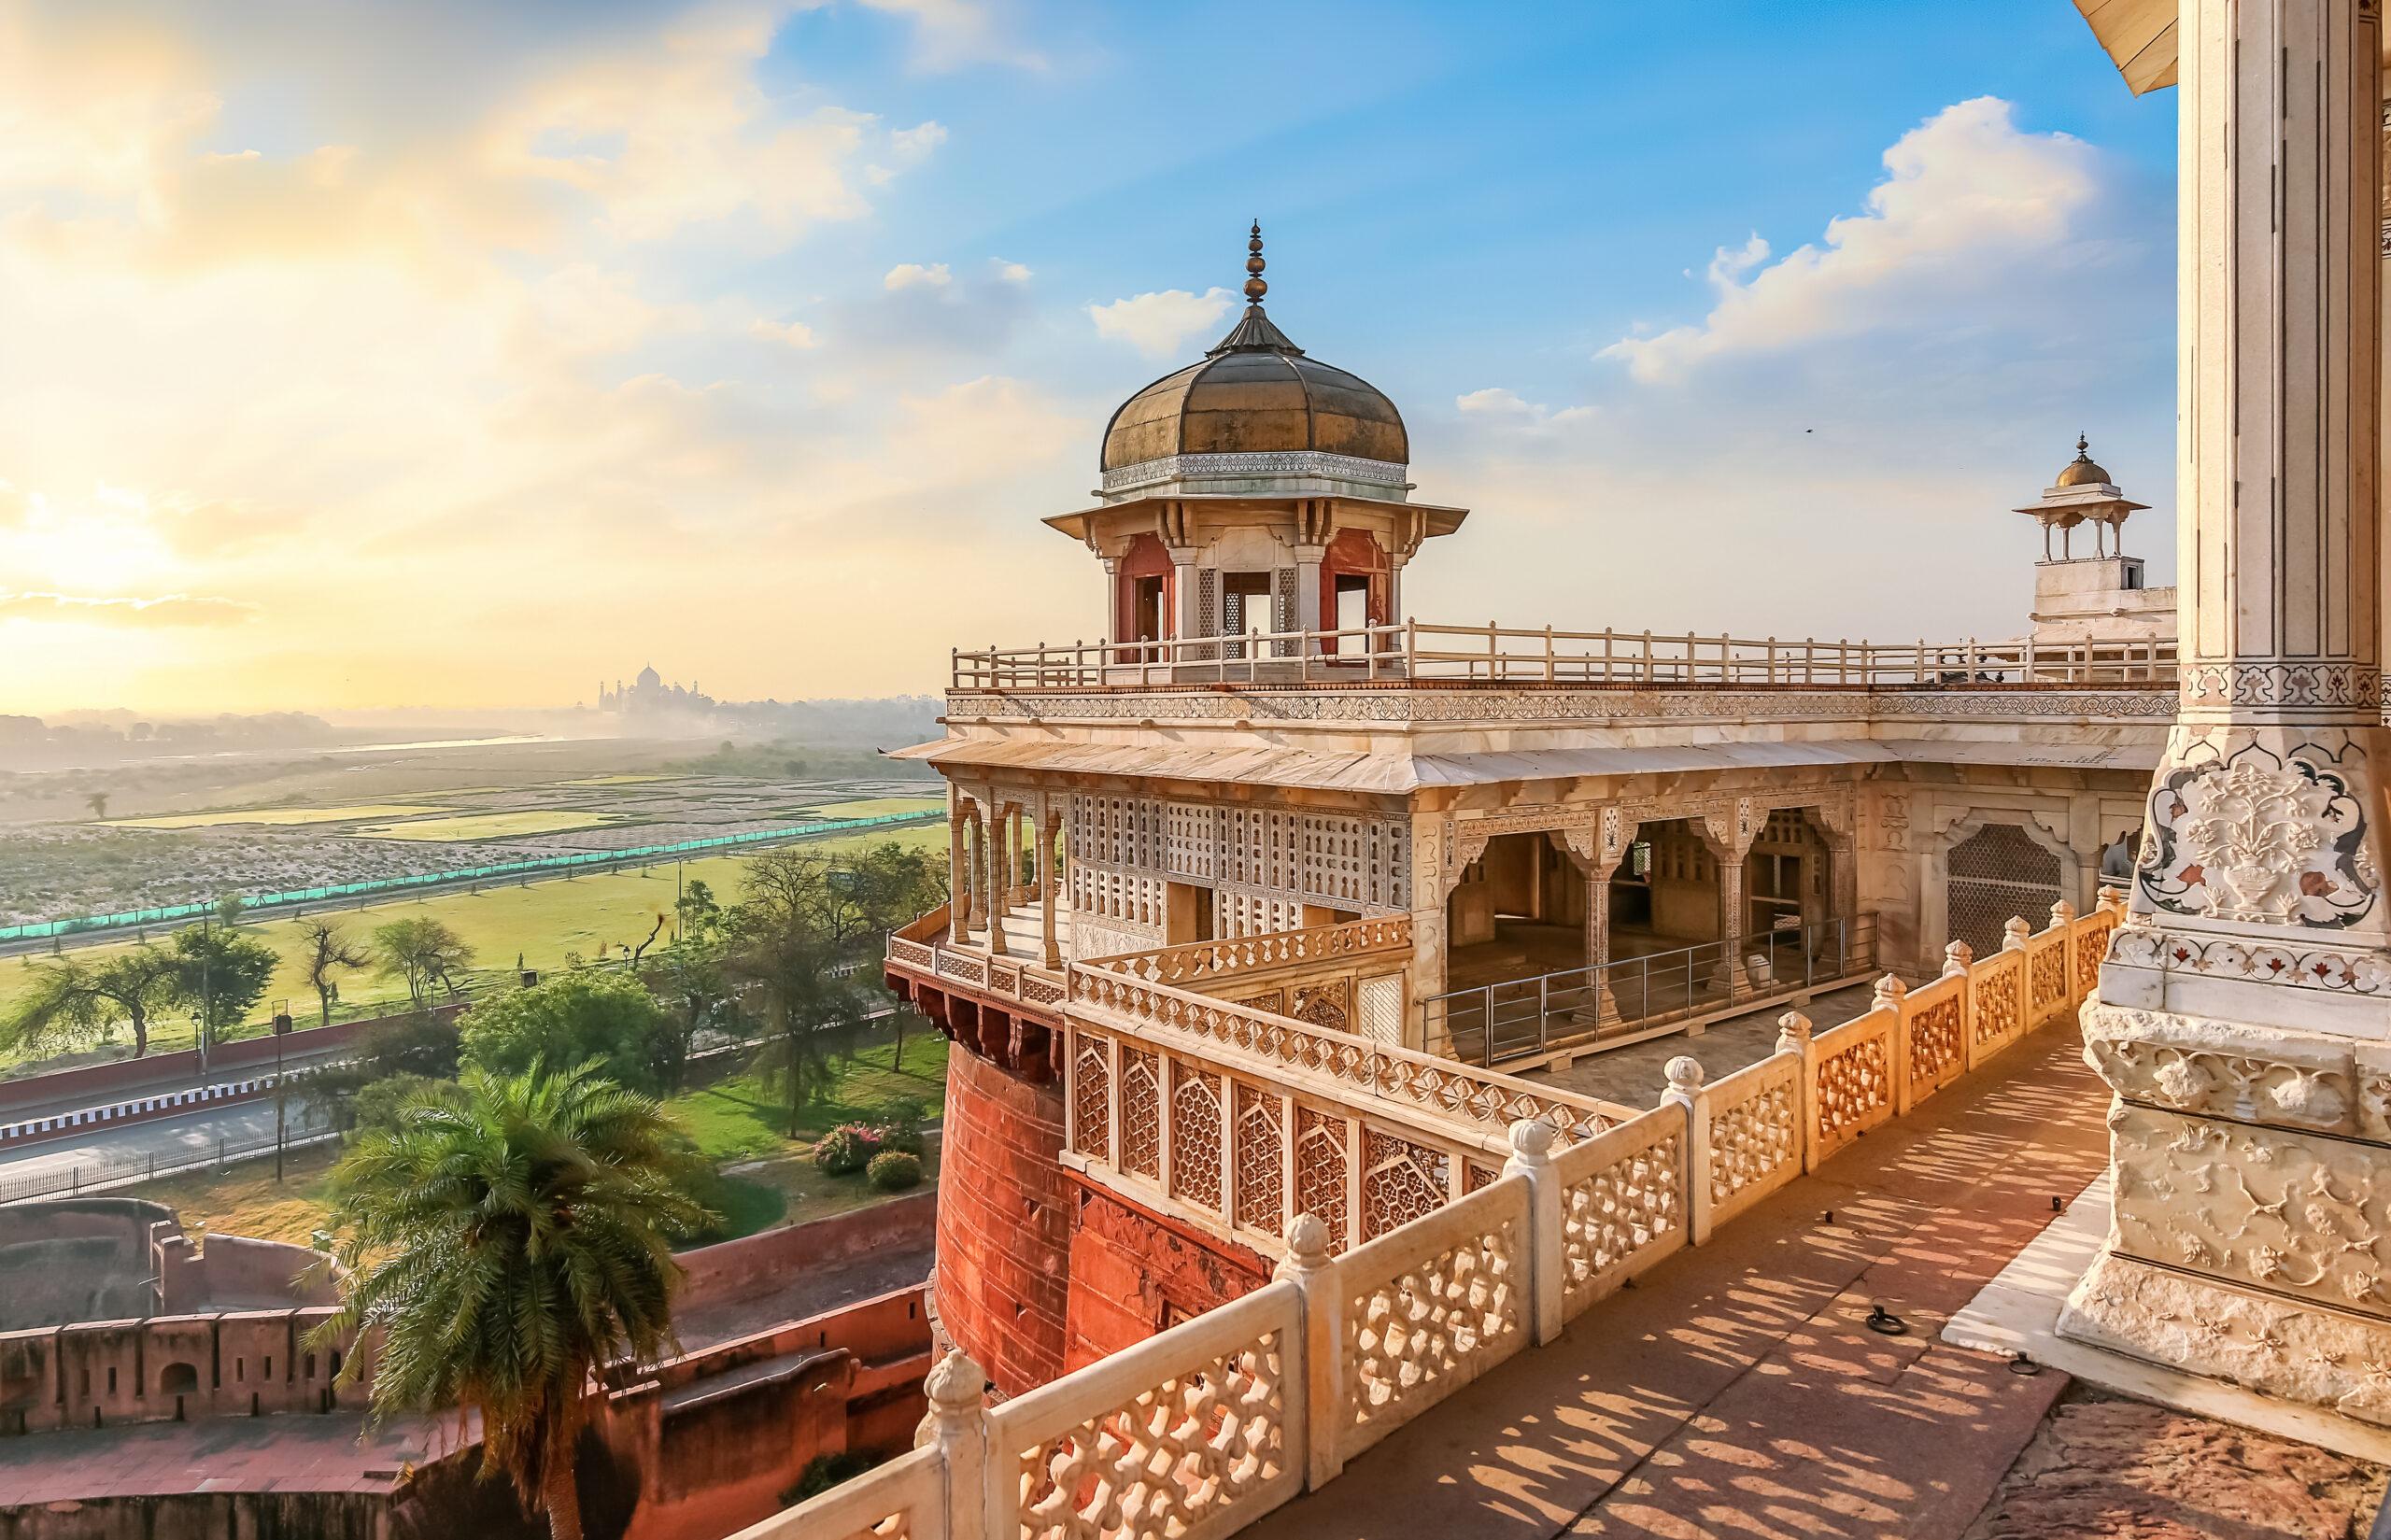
(1211, 965)
(1208, 1426)
(916, 947)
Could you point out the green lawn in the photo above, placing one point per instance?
(773, 1180)
(739, 1118)
(489, 825)
(541, 922)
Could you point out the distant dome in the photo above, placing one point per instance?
(649, 678)
(1255, 393)
(2082, 471)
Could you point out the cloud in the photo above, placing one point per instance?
(787, 334)
(985, 427)
(164, 610)
(913, 144)
(951, 33)
(1010, 272)
(914, 275)
(1159, 324)
(1509, 409)
(1970, 203)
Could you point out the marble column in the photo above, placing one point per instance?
(1049, 883)
(2241, 1018)
(958, 885)
(1729, 836)
(975, 886)
(992, 873)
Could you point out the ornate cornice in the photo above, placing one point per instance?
(1286, 462)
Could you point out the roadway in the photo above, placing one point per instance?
(124, 1152)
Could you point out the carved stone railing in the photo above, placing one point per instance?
(1363, 1073)
(915, 949)
(1206, 965)
(1207, 1427)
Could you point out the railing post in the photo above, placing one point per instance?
(956, 1425)
(1889, 995)
(1793, 1037)
(1685, 1089)
(1320, 1376)
(1531, 1157)
(1543, 1011)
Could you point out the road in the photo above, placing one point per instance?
(126, 1150)
(13, 1110)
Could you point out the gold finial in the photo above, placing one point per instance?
(2083, 447)
(1254, 287)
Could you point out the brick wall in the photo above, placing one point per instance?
(1135, 1273)
(738, 1267)
(1003, 1222)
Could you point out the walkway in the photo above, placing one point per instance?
(1734, 1392)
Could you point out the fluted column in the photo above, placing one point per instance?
(2239, 1017)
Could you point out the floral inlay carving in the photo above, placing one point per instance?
(2255, 837)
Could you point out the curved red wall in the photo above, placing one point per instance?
(1003, 1222)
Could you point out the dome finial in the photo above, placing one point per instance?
(2083, 447)
(1254, 287)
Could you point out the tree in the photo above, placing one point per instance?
(72, 1004)
(790, 940)
(420, 1046)
(692, 982)
(424, 951)
(506, 1250)
(229, 909)
(606, 1019)
(890, 886)
(98, 802)
(329, 950)
(222, 973)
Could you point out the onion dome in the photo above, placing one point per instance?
(1256, 392)
(2082, 471)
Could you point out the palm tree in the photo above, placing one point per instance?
(507, 1246)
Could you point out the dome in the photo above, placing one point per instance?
(2082, 471)
(1255, 393)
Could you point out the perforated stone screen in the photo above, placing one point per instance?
(1994, 873)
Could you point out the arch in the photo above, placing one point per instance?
(178, 1380)
(1994, 870)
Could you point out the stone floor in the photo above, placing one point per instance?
(2102, 1466)
(1734, 1392)
(803, 1294)
(1632, 1075)
(297, 1452)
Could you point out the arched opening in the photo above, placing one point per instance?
(178, 1380)
(1997, 873)
(1518, 910)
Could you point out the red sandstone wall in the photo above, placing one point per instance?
(1003, 1222)
(1135, 1273)
(737, 1267)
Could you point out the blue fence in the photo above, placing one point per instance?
(535, 867)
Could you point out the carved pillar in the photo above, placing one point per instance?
(1729, 835)
(975, 886)
(959, 885)
(999, 875)
(1838, 832)
(2235, 1021)
(1187, 615)
(1048, 885)
(1307, 611)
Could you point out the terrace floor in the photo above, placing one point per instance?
(1734, 1392)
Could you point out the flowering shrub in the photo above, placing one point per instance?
(893, 1171)
(846, 1149)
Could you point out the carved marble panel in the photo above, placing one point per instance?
(2194, 1064)
(2297, 1214)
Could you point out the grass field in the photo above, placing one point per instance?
(876, 807)
(280, 816)
(617, 779)
(541, 920)
(772, 1180)
(487, 825)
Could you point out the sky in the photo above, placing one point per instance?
(445, 354)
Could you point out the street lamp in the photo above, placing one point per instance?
(281, 1030)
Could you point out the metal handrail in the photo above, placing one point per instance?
(1519, 1018)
